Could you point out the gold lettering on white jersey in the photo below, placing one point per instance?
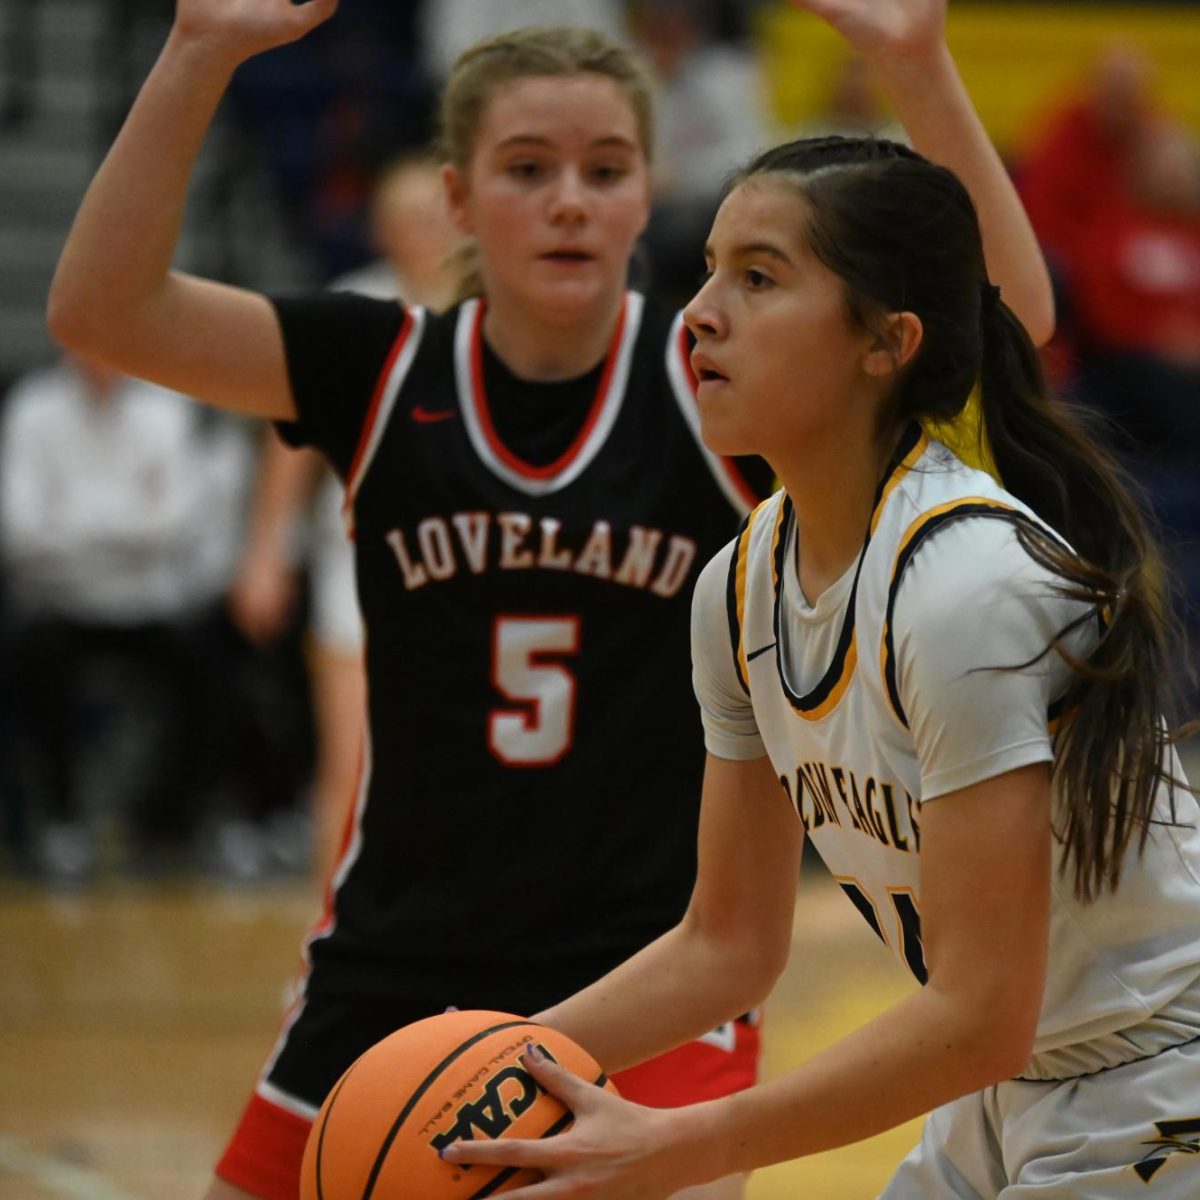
(839, 781)
(514, 530)
(889, 807)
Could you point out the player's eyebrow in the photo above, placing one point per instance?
(750, 249)
(611, 141)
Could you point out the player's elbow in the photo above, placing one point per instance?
(1005, 1054)
(1000, 1037)
(1042, 322)
(748, 956)
(75, 324)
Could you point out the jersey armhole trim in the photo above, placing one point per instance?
(914, 536)
(387, 390)
(735, 600)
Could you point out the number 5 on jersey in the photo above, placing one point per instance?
(539, 728)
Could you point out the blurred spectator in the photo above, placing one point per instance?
(410, 235)
(707, 126)
(448, 27)
(1078, 165)
(1137, 306)
(96, 506)
(1113, 190)
(121, 507)
(329, 111)
(855, 107)
(1139, 271)
(413, 238)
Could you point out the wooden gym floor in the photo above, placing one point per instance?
(134, 1017)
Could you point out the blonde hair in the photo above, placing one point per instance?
(534, 52)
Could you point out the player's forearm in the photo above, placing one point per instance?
(933, 104)
(119, 251)
(678, 988)
(926, 1051)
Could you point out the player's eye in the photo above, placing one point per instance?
(609, 173)
(756, 280)
(524, 169)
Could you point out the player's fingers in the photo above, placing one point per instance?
(499, 1152)
(577, 1093)
(312, 13)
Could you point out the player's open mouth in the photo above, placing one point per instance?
(567, 256)
(705, 372)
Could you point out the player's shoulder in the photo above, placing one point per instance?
(977, 574)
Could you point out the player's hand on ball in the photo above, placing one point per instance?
(884, 28)
(615, 1149)
(238, 29)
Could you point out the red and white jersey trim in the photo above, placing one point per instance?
(683, 384)
(525, 477)
(351, 848)
(286, 1101)
(387, 390)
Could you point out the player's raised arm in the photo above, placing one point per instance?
(114, 293)
(905, 40)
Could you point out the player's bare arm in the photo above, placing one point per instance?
(114, 294)
(905, 40)
(732, 944)
(970, 1026)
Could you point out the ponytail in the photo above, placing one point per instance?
(1114, 743)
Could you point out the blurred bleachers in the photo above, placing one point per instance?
(64, 88)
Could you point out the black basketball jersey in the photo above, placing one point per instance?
(528, 810)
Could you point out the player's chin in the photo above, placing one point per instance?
(721, 431)
(576, 286)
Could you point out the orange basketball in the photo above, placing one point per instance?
(452, 1077)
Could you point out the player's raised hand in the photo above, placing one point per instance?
(239, 29)
(884, 28)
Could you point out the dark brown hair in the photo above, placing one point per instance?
(903, 235)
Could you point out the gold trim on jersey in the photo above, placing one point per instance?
(735, 587)
(892, 481)
(914, 535)
(823, 698)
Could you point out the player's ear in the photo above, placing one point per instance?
(454, 182)
(894, 344)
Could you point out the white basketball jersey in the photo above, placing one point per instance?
(831, 716)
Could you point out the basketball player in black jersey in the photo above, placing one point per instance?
(531, 504)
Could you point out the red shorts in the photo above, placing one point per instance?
(264, 1155)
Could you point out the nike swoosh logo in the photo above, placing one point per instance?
(426, 416)
(761, 650)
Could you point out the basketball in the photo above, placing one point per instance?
(451, 1077)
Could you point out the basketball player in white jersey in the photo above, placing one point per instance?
(956, 689)
(531, 503)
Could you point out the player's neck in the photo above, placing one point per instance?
(833, 492)
(546, 348)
